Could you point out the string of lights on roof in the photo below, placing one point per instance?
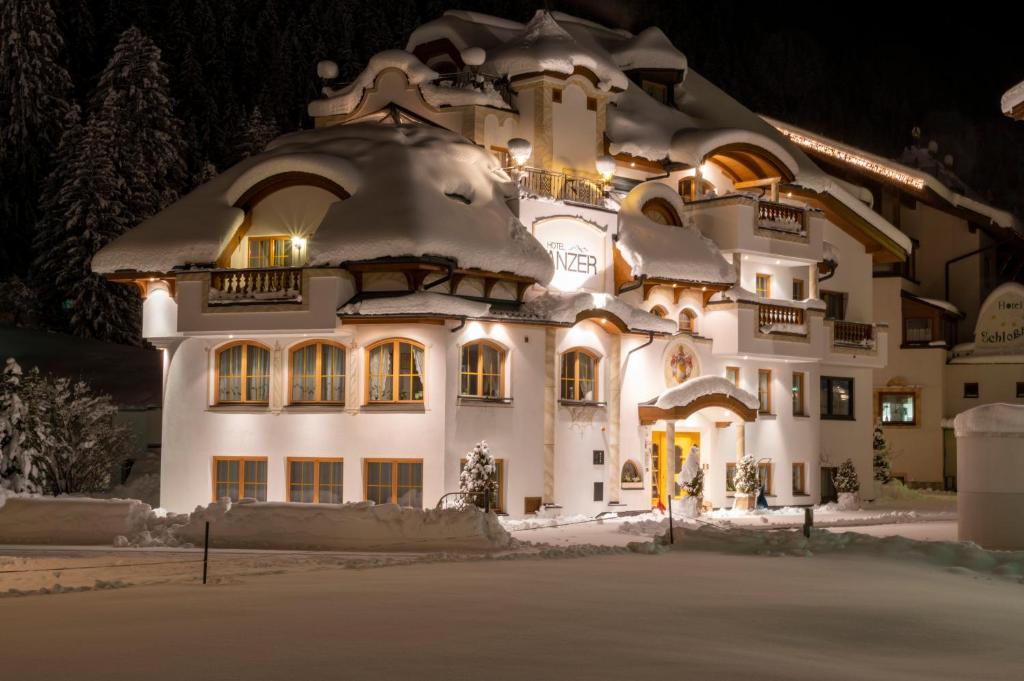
(845, 156)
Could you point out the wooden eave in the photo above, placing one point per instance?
(650, 414)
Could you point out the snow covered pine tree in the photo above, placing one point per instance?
(847, 485)
(17, 472)
(881, 464)
(479, 477)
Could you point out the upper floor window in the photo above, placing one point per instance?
(482, 370)
(764, 390)
(661, 211)
(764, 285)
(799, 406)
(688, 321)
(318, 373)
(658, 91)
(835, 304)
(837, 397)
(395, 371)
(579, 376)
(733, 375)
(917, 330)
(270, 251)
(243, 373)
(798, 289)
(659, 311)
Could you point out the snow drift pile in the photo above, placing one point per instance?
(69, 520)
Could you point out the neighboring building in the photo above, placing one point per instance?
(555, 237)
(964, 253)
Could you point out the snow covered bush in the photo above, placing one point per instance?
(881, 463)
(846, 478)
(58, 436)
(745, 480)
(479, 476)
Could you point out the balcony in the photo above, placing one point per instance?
(781, 217)
(490, 88)
(852, 334)
(255, 286)
(740, 222)
(562, 187)
(781, 319)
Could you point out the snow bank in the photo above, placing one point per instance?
(991, 419)
(417, 303)
(685, 393)
(69, 520)
(665, 251)
(359, 526)
(345, 100)
(567, 309)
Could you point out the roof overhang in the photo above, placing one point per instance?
(650, 414)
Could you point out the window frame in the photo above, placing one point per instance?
(479, 373)
(576, 376)
(394, 477)
(800, 284)
(977, 390)
(243, 376)
(901, 393)
(799, 393)
(396, 375)
(662, 208)
(691, 317)
(769, 489)
(242, 462)
(277, 242)
(730, 465)
(319, 342)
(736, 379)
(843, 299)
(659, 311)
(762, 408)
(828, 415)
(316, 461)
(906, 329)
(766, 278)
(802, 490)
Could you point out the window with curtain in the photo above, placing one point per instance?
(799, 478)
(733, 375)
(579, 376)
(764, 285)
(269, 251)
(482, 370)
(315, 481)
(318, 373)
(395, 371)
(898, 409)
(799, 405)
(764, 477)
(243, 374)
(240, 477)
(764, 390)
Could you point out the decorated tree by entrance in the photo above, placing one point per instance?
(745, 480)
(479, 477)
(846, 478)
(881, 462)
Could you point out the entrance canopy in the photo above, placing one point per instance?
(680, 402)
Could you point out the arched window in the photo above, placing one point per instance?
(579, 376)
(659, 311)
(631, 477)
(482, 370)
(688, 321)
(318, 373)
(394, 371)
(661, 211)
(243, 373)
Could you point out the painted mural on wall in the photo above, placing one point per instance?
(1001, 319)
(680, 363)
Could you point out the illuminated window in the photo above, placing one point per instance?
(243, 374)
(764, 285)
(394, 481)
(579, 376)
(764, 390)
(270, 251)
(837, 398)
(898, 409)
(483, 370)
(238, 477)
(799, 403)
(315, 481)
(799, 478)
(394, 371)
(498, 500)
(318, 373)
(733, 374)
(688, 321)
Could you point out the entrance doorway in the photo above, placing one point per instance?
(659, 484)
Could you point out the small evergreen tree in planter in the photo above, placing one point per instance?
(479, 477)
(847, 485)
(745, 482)
(881, 462)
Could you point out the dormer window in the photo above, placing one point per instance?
(270, 251)
(658, 91)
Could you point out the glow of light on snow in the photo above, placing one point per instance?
(845, 156)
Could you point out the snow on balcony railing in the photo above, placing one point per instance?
(853, 334)
(480, 88)
(781, 319)
(239, 287)
(781, 217)
(560, 186)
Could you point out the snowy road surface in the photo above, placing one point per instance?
(677, 615)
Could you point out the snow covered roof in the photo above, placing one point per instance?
(567, 309)
(418, 303)
(1013, 98)
(664, 251)
(415, 191)
(991, 419)
(344, 100)
(935, 302)
(687, 392)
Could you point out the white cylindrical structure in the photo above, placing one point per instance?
(990, 475)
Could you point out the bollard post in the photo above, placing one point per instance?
(487, 502)
(808, 521)
(671, 530)
(206, 548)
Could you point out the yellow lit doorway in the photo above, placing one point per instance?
(659, 485)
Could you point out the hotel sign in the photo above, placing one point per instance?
(1001, 319)
(577, 249)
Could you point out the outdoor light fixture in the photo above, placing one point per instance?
(520, 150)
(606, 167)
(299, 241)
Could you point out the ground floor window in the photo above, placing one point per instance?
(764, 477)
(799, 406)
(239, 477)
(730, 478)
(394, 481)
(837, 397)
(315, 481)
(799, 478)
(898, 409)
(498, 501)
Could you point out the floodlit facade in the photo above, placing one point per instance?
(555, 237)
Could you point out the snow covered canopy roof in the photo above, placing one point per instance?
(657, 251)
(413, 191)
(679, 402)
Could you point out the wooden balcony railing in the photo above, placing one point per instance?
(852, 333)
(233, 287)
(561, 186)
(781, 217)
(779, 318)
